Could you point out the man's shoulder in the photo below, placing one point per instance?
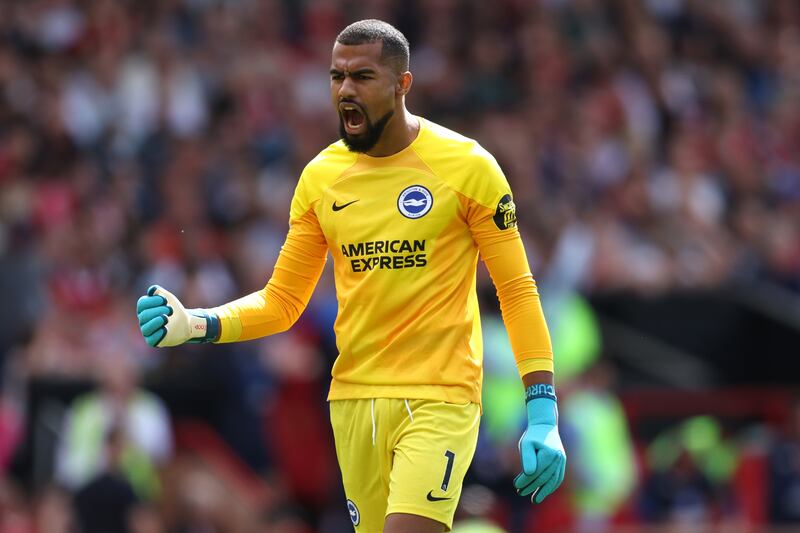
(442, 135)
(319, 174)
(330, 162)
(461, 162)
(441, 142)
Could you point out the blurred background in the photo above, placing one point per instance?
(654, 150)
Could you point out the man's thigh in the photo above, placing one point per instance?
(411, 523)
(431, 457)
(403, 457)
(365, 465)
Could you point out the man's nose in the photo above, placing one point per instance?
(347, 89)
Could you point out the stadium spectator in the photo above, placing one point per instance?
(598, 436)
(107, 501)
(784, 472)
(690, 468)
(141, 418)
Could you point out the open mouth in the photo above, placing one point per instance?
(353, 118)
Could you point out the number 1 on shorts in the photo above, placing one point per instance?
(448, 469)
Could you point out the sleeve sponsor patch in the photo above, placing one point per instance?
(505, 216)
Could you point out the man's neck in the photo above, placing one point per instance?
(400, 132)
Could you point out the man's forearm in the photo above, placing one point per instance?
(519, 302)
(279, 304)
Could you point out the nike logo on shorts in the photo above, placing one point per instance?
(432, 498)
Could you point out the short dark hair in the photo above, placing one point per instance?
(395, 47)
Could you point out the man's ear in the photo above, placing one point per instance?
(404, 83)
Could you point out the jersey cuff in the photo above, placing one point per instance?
(230, 325)
(536, 364)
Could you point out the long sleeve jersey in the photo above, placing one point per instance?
(405, 232)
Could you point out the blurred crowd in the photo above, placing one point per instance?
(652, 145)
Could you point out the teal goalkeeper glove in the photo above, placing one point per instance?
(543, 458)
(165, 322)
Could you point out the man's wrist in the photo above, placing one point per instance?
(205, 326)
(541, 404)
(540, 390)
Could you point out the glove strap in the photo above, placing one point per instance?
(540, 403)
(204, 325)
(540, 390)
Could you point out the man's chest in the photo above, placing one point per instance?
(388, 205)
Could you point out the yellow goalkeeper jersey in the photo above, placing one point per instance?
(404, 232)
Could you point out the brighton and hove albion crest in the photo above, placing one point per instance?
(415, 201)
(355, 515)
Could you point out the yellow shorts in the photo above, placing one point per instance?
(403, 456)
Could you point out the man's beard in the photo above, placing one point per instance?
(364, 142)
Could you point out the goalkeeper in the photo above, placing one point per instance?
(404, 207)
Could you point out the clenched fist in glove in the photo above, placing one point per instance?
(165, 322)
